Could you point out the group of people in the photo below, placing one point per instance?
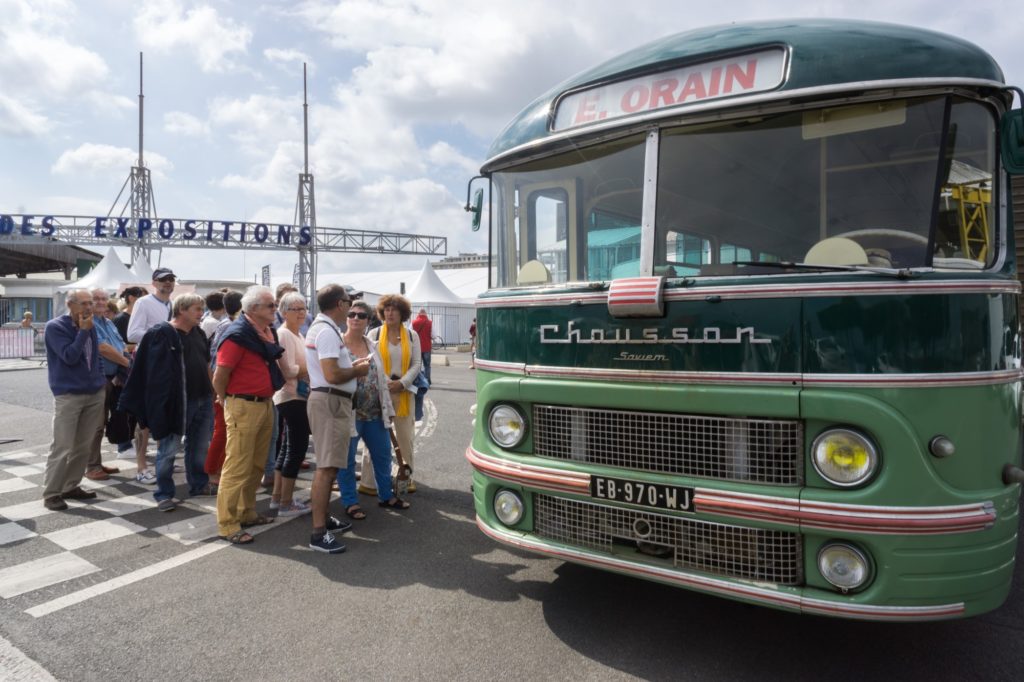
(240, 383)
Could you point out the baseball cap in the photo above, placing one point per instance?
(161, 273)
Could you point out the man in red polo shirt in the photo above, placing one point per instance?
(246, 377)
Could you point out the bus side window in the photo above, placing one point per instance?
(686, 253)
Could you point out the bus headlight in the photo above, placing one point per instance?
(507, 426)
(843, 566)
(508, 507)
(844, 457)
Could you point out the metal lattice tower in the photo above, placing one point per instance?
(305, 212)
(140, 194)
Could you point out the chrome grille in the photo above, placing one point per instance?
(735, 449)
(751, 553)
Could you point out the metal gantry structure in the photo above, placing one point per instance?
(140, 205)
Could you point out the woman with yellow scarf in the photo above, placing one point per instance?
(399, 349)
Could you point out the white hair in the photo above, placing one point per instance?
(290, 299)
(73, 294)
(251, 297)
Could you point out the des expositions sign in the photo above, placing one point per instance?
(686, 85)
(165, 229)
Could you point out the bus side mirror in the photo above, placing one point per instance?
(476, 206)
(1011, 141)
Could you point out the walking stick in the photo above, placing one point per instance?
(404, 474)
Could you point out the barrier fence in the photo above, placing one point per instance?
(21, 343)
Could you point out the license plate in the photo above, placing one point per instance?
(672, 497)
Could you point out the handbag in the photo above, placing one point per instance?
(302, 388)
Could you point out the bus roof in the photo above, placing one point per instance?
(822, 52)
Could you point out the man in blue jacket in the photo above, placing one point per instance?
(79, 390)
(169, 390)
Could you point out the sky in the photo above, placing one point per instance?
(405, 98)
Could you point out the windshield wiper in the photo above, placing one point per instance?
(901, 273)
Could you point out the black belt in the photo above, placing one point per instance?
(250, 398)
(332, 391)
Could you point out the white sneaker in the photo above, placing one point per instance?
(146, 477)
(296, 508)
(128, 454)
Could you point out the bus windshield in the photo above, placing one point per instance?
(902, 183)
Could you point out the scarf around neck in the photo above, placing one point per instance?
(402, 408)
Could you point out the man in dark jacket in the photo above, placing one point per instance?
(170, 392)
(78, 386)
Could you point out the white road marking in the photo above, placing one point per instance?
(40, 573)
(429, 422)
(190, 531)
(26, 469)
(87, 593)
(93, 532)
(119, 506)
(15, 666)
(18, 456)
(12, 532)
(9, 485)
(31, 510)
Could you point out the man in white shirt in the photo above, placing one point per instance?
(332, 380)
(153, 309)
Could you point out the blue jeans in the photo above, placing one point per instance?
(426, 364)
(198, 430)
(375, 435)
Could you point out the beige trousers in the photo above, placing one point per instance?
(75, 420)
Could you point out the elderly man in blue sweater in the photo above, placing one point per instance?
(79, 391)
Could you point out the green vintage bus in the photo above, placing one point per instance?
(752, 321)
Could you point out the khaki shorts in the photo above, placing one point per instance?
(330, 422)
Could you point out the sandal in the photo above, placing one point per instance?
(396, 503)
(238, 538)
(260, 520)
(355, 512)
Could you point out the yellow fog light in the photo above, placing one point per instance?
(508, 507)
(507, 426)
(844, 457)
(843, 566)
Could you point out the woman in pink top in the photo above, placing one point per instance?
(291, 405)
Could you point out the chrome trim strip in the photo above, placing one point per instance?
(737, 104)
(770, 596)
(852, 518)
(650, 198)
(774, 290)
(922, 380)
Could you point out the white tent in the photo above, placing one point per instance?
(142, 269)
(110, 274)
(450, 315)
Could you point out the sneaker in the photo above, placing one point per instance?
(128, 454)
(166, 505)
(293, 508)
(337, 525)
(146, 477)
(328, 543)
(179, 469)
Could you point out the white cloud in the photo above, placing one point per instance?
(41, 67)
(216, 42)
(182, 123)
(101, 159)
(259, 122)
(285, 57)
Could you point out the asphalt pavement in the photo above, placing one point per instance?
(115, 590)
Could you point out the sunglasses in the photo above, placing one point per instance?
(357, 316)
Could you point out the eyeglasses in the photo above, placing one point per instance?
(272, 306)
(296, 310)
(357, 316)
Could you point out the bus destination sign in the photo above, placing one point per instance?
(686, 85)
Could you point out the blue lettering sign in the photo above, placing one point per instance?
(284, 234)
(227, 230)
(145, 225)
(166, 229)
(48, 226)
(190, 230)
(26, 225)
(6, 224)
(122, 228)
(261, 232)
(304, 236)
(241, 237)
(100, 224)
